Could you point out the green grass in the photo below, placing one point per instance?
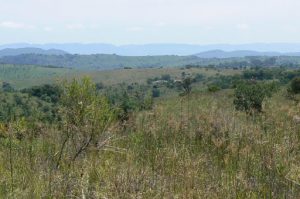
(196, 147)
(24, 76)
(141, 75)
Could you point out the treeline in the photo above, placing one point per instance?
(99, 61)
(249, 62)
(281, 75)
(43, 101)
(104, 62)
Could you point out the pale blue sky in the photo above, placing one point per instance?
(149, 21)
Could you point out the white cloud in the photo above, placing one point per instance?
(75, 26)
(243, 27)
(161, 24)
(15, 25)
(192, 21)
(48, 29)
(135, 29)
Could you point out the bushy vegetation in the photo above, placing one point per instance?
(282, 74)
(46, 92)
(81, 139)
(249, 96)
(100, 61)
(15, 105)
(104, 62)
(295, 85)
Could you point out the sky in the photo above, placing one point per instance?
(149, 21)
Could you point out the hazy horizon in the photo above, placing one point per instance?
(123, 22)
(270, 49)
(149, 43)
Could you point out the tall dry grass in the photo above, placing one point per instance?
(212, 152)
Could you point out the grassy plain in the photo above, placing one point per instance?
(24, 76)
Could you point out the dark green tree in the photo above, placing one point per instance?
(249, 96)
(155, 92)
(7, 87)
(295, 85)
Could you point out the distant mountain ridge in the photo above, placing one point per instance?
(158, 48)
(19, 51)
(241, 53)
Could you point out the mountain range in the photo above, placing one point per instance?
(241, 53)
(165, 49)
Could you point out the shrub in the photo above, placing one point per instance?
(85, 116)
(213, 88)
(7, 87)
(149, 81)
(46, 92)
(187, 85)
(15, 105)
(249, 96)
(295, 85)
(100, 86)
(166, 77)
(155, 92)
(199, 77)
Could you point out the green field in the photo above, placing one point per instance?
(141, 75)
(24, 76)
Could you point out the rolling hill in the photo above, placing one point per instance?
(20, 51)
(241, 53)
(21, 76)
(100, 61)
(110, 62)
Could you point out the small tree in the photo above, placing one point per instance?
(155, 92)
(166, 77)
(295, 85)
(86, 116)
(100, 86)
(213, 88)
(187, 85)
(7, 87)
(46, 92)
(249, 96)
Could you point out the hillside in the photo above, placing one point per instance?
(23, 76)
(231, 54)
(109, 62)
(100, 61)
(20, 51)
(242, 53)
